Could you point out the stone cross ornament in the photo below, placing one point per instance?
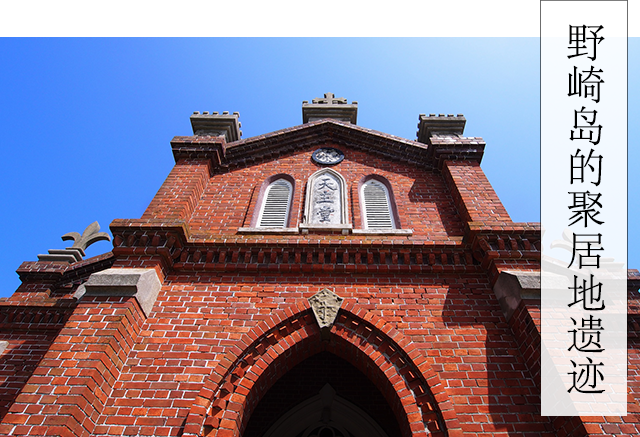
(329, 106)
(330, 99)
(325, 305)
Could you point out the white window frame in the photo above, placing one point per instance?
(265, 200)
(389, 206)
(308, 224)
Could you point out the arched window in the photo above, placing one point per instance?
(377, 205)
(276, 205)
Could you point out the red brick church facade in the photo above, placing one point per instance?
(322, 280)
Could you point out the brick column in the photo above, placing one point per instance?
(519, 296)
(180, 192)
(68, 391)
(473, 194)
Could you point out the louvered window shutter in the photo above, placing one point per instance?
(275, 208)
(377, 207)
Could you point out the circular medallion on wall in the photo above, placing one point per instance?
(327, 156)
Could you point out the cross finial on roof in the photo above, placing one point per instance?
(330, 106)
(330, 99)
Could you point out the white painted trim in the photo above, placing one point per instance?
(344, 220)
(265, 198)
(382, 232)
(387, 198)
(268, 230)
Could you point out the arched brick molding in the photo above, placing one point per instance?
(236, 385)
(393, 208)
(261, 199)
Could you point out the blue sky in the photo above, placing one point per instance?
(86, 123)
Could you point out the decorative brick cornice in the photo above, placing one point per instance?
(633, 279)
(506, 242)
(60, 273)
(443, 135)
(43, 314)
(448, 148)
(484, 246)
(199, 147)
(499, 226)
(225, 156)
(172, 244)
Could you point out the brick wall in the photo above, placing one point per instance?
(229, 200)
(181, 191)
(20, 359)
(457, 328)
(67, 391)
(421, 332)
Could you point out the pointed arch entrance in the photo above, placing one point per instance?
(323, 392)
(236, 386)
(325, 414)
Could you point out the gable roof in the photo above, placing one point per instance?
(242, 153)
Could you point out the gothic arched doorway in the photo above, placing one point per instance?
(323, 396)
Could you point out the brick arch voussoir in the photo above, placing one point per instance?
(217, 386)
(288, 336)
(428, 390)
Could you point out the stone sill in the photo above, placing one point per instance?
(343, 229)
(306, 229)
(268, 230)
(382, 232)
